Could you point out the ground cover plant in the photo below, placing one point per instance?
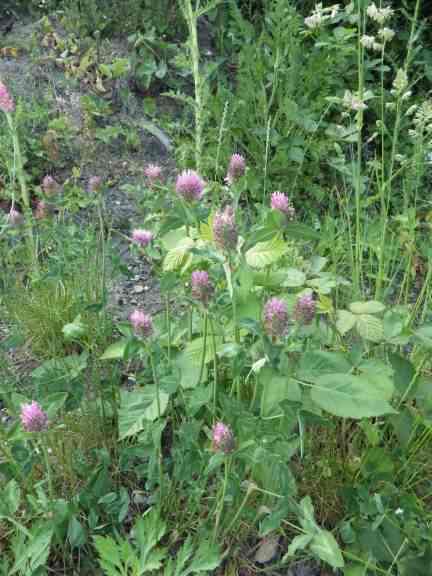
(215, 297)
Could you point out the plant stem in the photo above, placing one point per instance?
(159, 447)
(47, 468)
(222, 500)
(215, 367)
(204, 350)
(191, 18)
(168, 325)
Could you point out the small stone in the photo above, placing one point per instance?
(138, 289)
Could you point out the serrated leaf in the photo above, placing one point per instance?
(370, 307)
(324, 546)
(206, 558)
(370, 327)
(265, 253)
(350, 396)
(345, 321)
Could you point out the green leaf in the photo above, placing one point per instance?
(115, 351)
(179, 257)
(194, 349)
(424, 335)
(370, 307)
(315, 363)
(324, 546)
(206, 558)
(349, 396)
(294, 278)
(370, 327)
(297, 543)
(276, 389)
(345, 321)
(300, 231)
(148, 532)
(265, 253)
(137, 408)
(189, 371)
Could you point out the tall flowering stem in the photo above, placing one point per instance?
(8, 107)
(191, 16)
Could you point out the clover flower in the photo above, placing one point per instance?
(236, 168)
(222, 438)
(275, 317)
(50, 186)
(33, 418)
(224, 229)
(304, 310)
(42, 210)
(387, 34)
(142, 237)
(190, 185)
(353, 102)
(282, 203)
(94, 184)
(6, 102)
(379, 15)
(142, 323)
(201, 286)
(153, 173)
(15, 218)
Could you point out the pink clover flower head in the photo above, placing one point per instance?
(236, 168)
(282, 203)
(142, 237)
(153, 172)
(190, 185)
(201, 286)
(304, 310)
(15, 218)
(142, 323)
(94, 184)
(224, 229)
(50, 186)
(33, 418)
(42, 210)
(276, 317)
(6, 102)
(222, 438)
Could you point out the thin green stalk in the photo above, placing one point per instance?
(358, 166)
(191, 18)
(47, 468)
(222, 499)
(204, 350)
(168, 325)
(215, 366)
(250, 489)
(159, 448)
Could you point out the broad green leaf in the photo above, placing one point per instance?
(380, 376)
(265, 253)
(370, 327)
(137, 408)
(324, 546)
(345, 321)
(276, 389)
(194, 349)
(315, 363)
(294, 278)
(301, 231)
(115, 351)
(171, 239)
(297, 543)
(349, 396)
(179, 257)
(370, 307)
(189, 371)
(424, 335)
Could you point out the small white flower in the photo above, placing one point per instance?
(387, 34)
(367, 41)
(353, 102)
(399, 511)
